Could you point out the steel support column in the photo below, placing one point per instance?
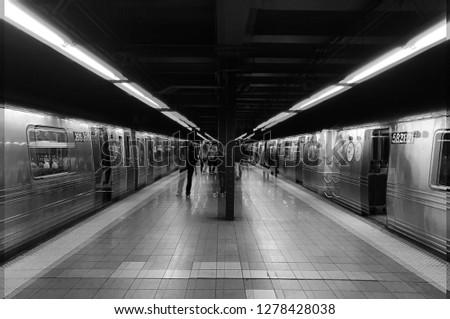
(227, 134)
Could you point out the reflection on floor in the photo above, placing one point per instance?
(286, 242)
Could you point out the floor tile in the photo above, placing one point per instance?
(172, 248)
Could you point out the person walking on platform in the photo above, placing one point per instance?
(182, 167)
(237, 160)
(221, 168)
(212, 158)
(191, 162)
(204, 158)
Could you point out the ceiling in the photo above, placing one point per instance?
(279, 52)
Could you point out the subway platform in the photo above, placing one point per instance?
(286, 242)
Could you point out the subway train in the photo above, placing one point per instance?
(58, 169)
(395, 171)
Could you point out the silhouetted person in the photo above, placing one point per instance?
(221, 168)
(191, 161)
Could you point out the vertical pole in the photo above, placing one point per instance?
(227, 133)
(231, 135)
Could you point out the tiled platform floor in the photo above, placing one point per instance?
(156, 245)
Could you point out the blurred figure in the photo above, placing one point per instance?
(237, 160)
(204, 158)
(221, 168)
(212, 158)
(182, 166)
(191, 162)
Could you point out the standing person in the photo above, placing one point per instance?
(182, 166)
(212, 158)
(237, 160)
(221, 168)
(191, 162)
(204, 158)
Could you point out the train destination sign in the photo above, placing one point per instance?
(402, 138)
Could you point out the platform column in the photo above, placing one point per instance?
(227, 134)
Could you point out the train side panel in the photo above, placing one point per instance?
(288, 157)
(416, 203)
(49, 175)
(299, 165)
(349, 178)
(312, 162)
(141, 161)
(2, 182)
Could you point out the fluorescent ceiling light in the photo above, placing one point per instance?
(278, 116)
(319, 97)
(160, 103)
(276, 119)
(251, 135)
(261, 125)
(138, 92)
(30, 23)
(204, 138)
(270, 121)
(184, 119)
(281, 119)
(176, 119)
(241, 136)
(424, 41)
(211, 137)
(24, 19)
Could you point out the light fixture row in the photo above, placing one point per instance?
(431, 37)
(24, 19)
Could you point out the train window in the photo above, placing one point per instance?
(294, 150)
(380, 149)
(150, 151)
(287, 148)
(50, 152)
(159, 151)
(127, 151)
(278, 148)
(141, 154)
(117, 146)
(166, 149)
(441, 160)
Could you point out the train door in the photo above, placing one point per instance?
(102, 164)
(129, 161)
(141, 177)
(326, 184)
(311, 162)
(299, 161)
(378, 170)
(158, 157)
(166, 155)
(150, 161)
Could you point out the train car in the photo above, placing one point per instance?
(418, 179)
(59, 169)
(394, 171)
(49, 176)
(350, 179)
